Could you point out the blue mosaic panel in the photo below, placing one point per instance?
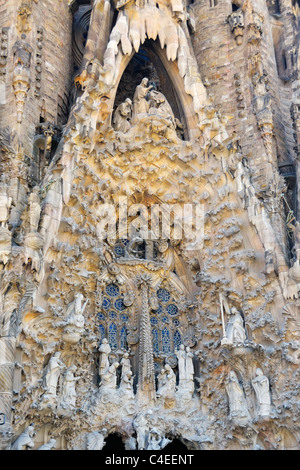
(177, 340)
(119, 304)
(166, 347)
(155, 340)
(100, 316)
(172, 309)
(124, 318)
(106, 303)
(153, 321)
(112, 315)
(123, 336)
(165, 319)
(163, 295)
(176, 322)
(112, 336)
(112, 290)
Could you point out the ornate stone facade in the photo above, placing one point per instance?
(149, 225)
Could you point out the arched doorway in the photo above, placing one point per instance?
(114, 443)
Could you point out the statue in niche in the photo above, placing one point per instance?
(140, 102)
(262, 389)
(25, 440)
(238, 410)
(24, 12)
(104, 350)
(122, 116)
(68, 390)
(95, 440)
(5, 203)
(22, 52)
(109, 378)
(48, 445)
(52, 374)
(34, 209)
(235, 332)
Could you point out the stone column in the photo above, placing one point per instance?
(7, 364)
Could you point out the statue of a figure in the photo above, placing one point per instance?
(122, 116)
(104, 350)
(125, 363)
(167, 386)
(95, 440)
(141, 425)
(237, 402)
(75, 312)
(126, 384)
(69, 391)
(25, 440)
(53, 372)
(34, 209)
(156, 440)
(5, 204)
(140, 102)
(180, 353)
(160, 106)
(262, 389)
(235, 331)
(48, 445)
(186, 371)
(109, 378)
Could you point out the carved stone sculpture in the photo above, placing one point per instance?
(140, 102)
(104, 350)
(95, 440)
(25, 440)
(48, 445)
(34, 209)
(5, 203)
(121, 120)
(109, 378)
(75, 319)
(262, 390)
(167, 383)
(52, 374)
(238, 411)
(68, 399)
(235, 331)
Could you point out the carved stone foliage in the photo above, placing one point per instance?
(113, 326)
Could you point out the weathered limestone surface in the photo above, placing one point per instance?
(110, 111)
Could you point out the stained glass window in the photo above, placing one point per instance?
(112, 290)
(102, 332)
(155, 340)
(166, 347)
(112, 335)
(177, 340)
(113, 318)
(165, 321)
(123, 336)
